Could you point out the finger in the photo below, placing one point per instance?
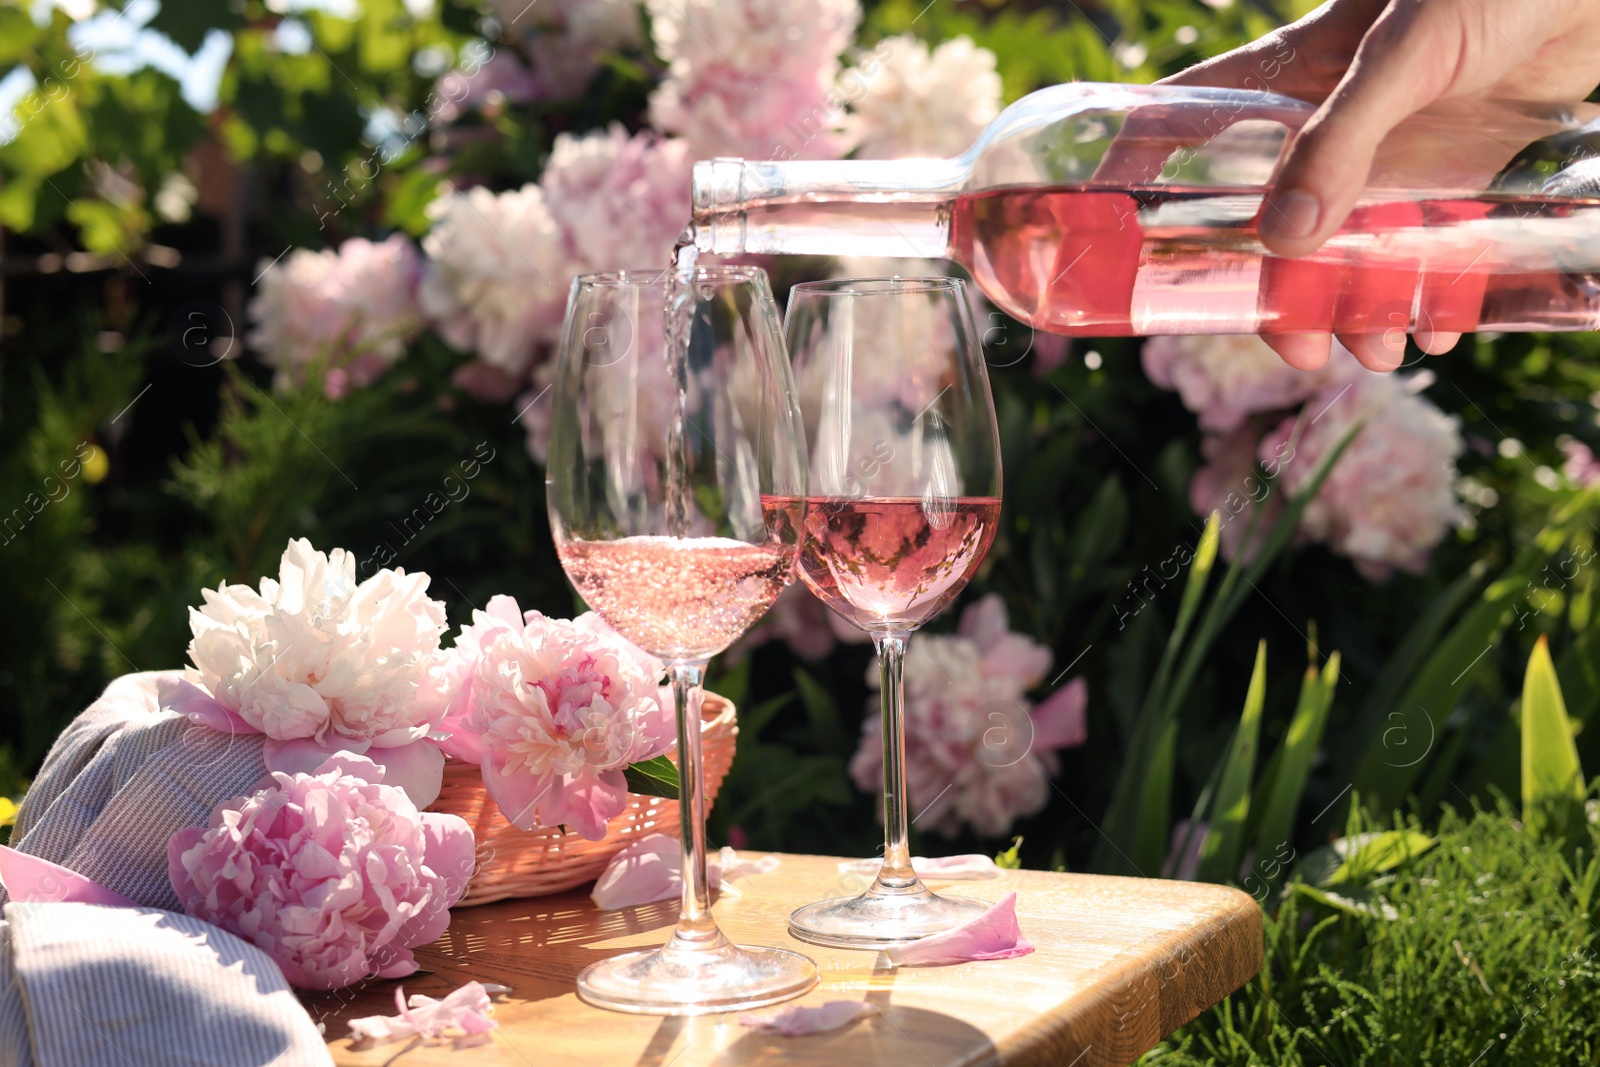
(1302, 351)
(1435, 342)
(1380, 351)
(1395, 72)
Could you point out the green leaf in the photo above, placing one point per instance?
(1224, 842)
(1386, 772)
(1356, 902)
(1552, 779)
(821, 711)
(653, 778)
(1153, 816)
(1294, 764)
(1355, 859)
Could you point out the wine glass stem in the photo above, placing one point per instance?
(895, 875)
(697, 930)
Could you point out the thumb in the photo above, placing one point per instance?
(1392, 76)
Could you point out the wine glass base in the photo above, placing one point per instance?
(666, 982)
(876, 919)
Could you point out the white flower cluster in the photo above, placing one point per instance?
(908, 101)
(314, 654)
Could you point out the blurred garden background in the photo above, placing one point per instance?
(282, 269)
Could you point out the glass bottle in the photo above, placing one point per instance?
(1110, 210)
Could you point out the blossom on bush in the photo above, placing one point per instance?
(315, 655)
(553, 710)
(620, 201)
(1391, 497)
(351, 310)
(976, 752)
(1581, 467)
(333, 874)
(1226, 378)
(745, 76)
(497, 275)
(907, 101)
(564, 39)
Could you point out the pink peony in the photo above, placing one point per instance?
(1391, 497)
(1581, 467)
(351, 311)
(752, 78)
(1224, 379)
(621, 201)
(976, 751)
(334, 875)
(553, 710)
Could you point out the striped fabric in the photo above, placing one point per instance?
(83, 985)
(92, 986)
(121, 779)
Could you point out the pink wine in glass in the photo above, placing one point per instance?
(893, 563)
(679, 597)
(1159, 260)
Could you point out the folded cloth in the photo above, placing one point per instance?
(123, 777)
(84, 985)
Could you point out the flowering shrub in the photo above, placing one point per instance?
(553, 709)
(333, 874)
(746, 76)
(910, 101)
(976, 752)
(1387, 501)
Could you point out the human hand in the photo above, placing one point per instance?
(1370, 64)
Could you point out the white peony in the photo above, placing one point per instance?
(314, 653)
(907, 101)
(498, 274)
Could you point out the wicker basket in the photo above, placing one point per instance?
(533, 863)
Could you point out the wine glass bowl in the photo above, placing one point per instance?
(904, 470)
(674, 489)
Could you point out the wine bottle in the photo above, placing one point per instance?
(1112, 210)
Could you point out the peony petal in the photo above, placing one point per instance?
(199, 707)
(644, 872)
(303, 755)
(968, 868)
(994, 935)
(650, 869)
(418, 768)
(31, 880)
(466, 1008)
(806, 1019)
(584, 805)
(451, 851)
(1059, 721)
(518, 794)
(456, 738)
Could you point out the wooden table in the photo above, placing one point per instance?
(1119, 963)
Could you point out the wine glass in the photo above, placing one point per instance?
(903, 504)
(674, 489)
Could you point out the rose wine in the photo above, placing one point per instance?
(679, 597)
(1160, 260)
(893, 563)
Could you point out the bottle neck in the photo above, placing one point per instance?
(835, 208)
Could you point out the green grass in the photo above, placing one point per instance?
(1480, 951)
